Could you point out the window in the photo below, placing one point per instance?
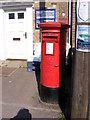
(20, 15)
(11, 16)
(44, 15)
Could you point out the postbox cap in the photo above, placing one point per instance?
(53, 25)
(49, 24)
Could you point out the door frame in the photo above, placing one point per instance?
(7, 6)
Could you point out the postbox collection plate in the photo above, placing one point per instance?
(49, 48)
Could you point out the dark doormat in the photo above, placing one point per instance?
(6, 71)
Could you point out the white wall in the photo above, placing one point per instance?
(29, 26)
(2, 37)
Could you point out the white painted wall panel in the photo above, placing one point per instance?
(29, 21)
(2, 37)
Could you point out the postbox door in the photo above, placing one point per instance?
(50, 64)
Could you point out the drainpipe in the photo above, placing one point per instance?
(70, 22)
(41, 7)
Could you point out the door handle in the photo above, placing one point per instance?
(25, 35)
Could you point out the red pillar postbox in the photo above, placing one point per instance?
(50, 57)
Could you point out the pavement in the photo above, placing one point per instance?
(20, 95)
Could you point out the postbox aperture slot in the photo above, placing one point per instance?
(48, 38)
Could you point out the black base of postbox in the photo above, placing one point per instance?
(49, 95)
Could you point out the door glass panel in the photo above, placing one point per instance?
(11, 16)
(20, 15)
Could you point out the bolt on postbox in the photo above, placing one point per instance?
(50, 57)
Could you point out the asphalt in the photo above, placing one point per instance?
(20, 95)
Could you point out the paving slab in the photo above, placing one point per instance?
(13, 63)
(4, 63)
(6, 71)
(11, 111)
(17, 64)
(20, 91)
(0, 63)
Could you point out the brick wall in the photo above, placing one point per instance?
(73, 24)
(61, 8)
(36, 33)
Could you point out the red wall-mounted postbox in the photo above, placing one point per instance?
(51, 55)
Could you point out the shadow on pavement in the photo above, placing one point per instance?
(65, 91)
(22, 114)
(38, 73)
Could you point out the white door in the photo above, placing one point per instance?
(16, 35)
